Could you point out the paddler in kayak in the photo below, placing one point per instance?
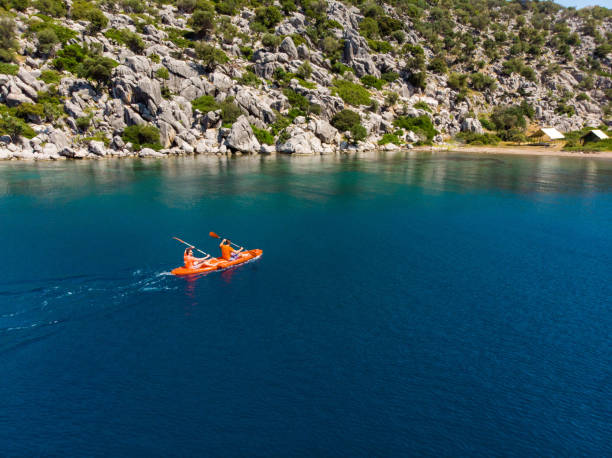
(191, 262)
(227, 252)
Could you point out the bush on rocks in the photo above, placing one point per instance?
(372, 81)
(271, 41)
(358, 133)
(203, 22)
(344, 120)
(351, 93)
(419, 125)
(47, 39)
(55, 8)
(205, 104)
(263, 136)
(268, 16)
(230, 112)
(7, 39)
(210, 56)
(15, 127)
(142, 136)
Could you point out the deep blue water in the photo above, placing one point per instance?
(444, 305)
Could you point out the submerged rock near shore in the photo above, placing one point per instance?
(309, 77)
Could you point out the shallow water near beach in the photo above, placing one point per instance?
(405, 304)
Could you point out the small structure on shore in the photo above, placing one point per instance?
(547, 135)
(594, 135)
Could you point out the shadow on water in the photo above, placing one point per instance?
(184, 179)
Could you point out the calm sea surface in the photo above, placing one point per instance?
(405, 304)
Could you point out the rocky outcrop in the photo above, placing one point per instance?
(295, 94)
(300, 142)
(241, 137)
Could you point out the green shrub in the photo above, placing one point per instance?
(83, 123)
(8, 69)
(391, 98)
(389, 77)
(205, 104)
(296, 100)
(131, 39)
(271, 41)
(582, 96)
(340, 68)
(390, 138)
(368, 27)
(55, 8)
(602, 51)
(210, 56)
(358, 133)
(508, 120)
(180, 37)
(486, 123)
(227, 7)
(419, 125)
(203, 22)
(380, 46)
(418, 80)
(481, 82)
(47, 39)
(97, 21)
(50, 76)
(420, 105)
(142, 136)
(247, 52)
(329, 45)
(163, 73)
(15, 127)
(304, 71)
(345, 119)
(268, 16)
(351, 93)
(98, 69)
(186, 6)
(63, 33)
(438, 65)
(70, 58)
(30, 111)
(8, 43)
(85, 10)
(249, 78)
(372, 81)
(281, 123)
(263, 136)
(230, 112)
(478, 139)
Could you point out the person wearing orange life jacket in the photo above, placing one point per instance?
(191, 262)
(227, 252)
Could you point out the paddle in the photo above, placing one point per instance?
(214, 235)
(190, 245)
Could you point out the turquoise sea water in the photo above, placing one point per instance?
(406, 304)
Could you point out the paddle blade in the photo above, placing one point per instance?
(212, 234)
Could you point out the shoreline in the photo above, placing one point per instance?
(533, 151)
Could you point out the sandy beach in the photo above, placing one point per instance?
(520, 150)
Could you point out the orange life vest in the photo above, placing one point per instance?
(226, 251)
(190, 260)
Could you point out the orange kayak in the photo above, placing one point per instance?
(219, 263)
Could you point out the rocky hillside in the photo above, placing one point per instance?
(81, 78)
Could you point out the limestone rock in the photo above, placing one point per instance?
(241, 137)
(288, 47)
(97, 148)
(472, 125)
(300, 142)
